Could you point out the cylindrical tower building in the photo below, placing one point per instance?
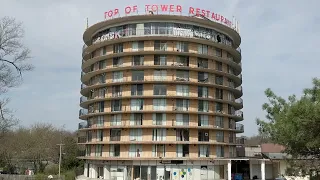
(161, 98)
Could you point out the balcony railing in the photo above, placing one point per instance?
(239, 100)
(239, 127)
(83, 125)
(83, 99)
(83, 86)
(83, 112)
(239, 50)
(240, 140)
(239, 88)
(239, 113)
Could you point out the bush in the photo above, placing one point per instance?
(69, 175)
(52, 169)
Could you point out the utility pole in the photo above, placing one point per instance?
(60, 157)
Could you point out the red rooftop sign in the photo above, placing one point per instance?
(171, 9)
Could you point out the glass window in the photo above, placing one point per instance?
(203, 106)
(114, 150)
(136, 89)
(203, 150)
(219, 93)
(116, 91)
(135, 150)
(98, 150)
(182, 46)
(159, 104)
(203, 120)
(182, 150)
(159, 119)
(136, 119)
(203, 135)
(102, 64)
(182, 104)
(203, 77)
(104, 50)
(202, 63)
(118, 48)
(182, 61)
(116, 105)
(135, 134)
(202, 91)
(218, 52)
(115, 134)
(158, 150)
(218, 66)
(137, 46)
(219, 122)
(220, 136)
(160, 90)
(219, 80)
(138, 60)
(159, 135)
(101, 106)
(99, 135)
(115, 120)
(117, 61)
(160, 75)
(100, 121)
(160, 45)
(182, 119)
(137, 75)
(117, 76)
(160, 60)
(202, 49)
(136, 104)
(219, 107)
(182, 75)
(182, 90)
(219, 151)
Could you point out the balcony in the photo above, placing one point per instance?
(239, 88)
(239, 101)
(239, 113)
(239, 127)
(83, 125)
(83, 99)
(239, 50)
(83, 112)
(83, 86)
(240, 140)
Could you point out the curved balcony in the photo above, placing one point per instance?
(125, 81)
(239, 101)
(238, 113)
(83, 99)
(83, 86)
(168, 34)
(83, 112)
(83, 125)
(239, 127)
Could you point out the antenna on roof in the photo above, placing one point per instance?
(87, 23)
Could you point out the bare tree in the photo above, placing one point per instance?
(14, 58)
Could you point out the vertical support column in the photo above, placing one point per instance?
(263, 170)
(250, 168)
(90, 171)
(85, 171)
(106, 173)
(229, 170)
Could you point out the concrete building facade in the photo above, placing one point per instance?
(161, 98)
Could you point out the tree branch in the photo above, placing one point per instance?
(17, 68)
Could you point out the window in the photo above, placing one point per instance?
(158, 150)
(136, 89)
(231, 109)
(182, 75)
(102, 92)
(232, 124)
(202, 63)
(99, 135)
(182, 104)
(232, 151)
(219, 93)
(203, 77)
(182, 61)
(219, 107)
(116, 105)
(136, 104)
(115, 134)
(219, 122)
(182, 119)
(230, 69)
(138, 60)
(102, 78)
(203, 135)
(159, 119)
(160, 60)
(102, 64)
(117, 76)
(137, 75)
(230, 83)
(159, 135)
(232, 137)
(117, 61)
(160, 90)
(98, 150)
(202, 91)
(182, 150)
(160, 45)
(114, 150)
(218, 52)
(182, 90)
(116, 91)
(118, 48)
(218, 66)
(203, 151)
(219, 151)
(230, 96)
(88, 150)
(135, 134)
(138, 46)
(136, 119)
(160, 75)
(203, 120)
(219, 80)
(104, 50)
(89, 136)
(220, 136)
(159, 104)
(182, 135)
(115, 120)
(182, 47)
(101, 106)
(135, 150)
(203, 106)
(202, 49)
(100, 121)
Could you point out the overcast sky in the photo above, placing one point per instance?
(279, 50)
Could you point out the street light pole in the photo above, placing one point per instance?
(60, 157)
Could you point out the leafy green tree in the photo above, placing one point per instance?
(295, 124)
